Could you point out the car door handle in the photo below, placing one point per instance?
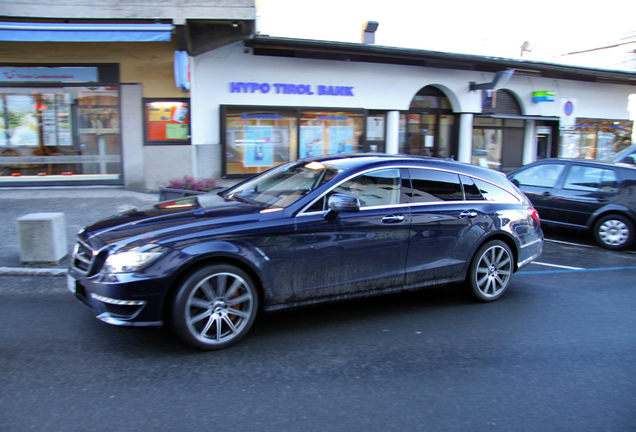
(547, 194)
(393, 218)
(468, 214)
(603, 200)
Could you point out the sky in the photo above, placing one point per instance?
(482, 27)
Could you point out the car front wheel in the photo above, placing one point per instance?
(215, 307)
(490, 271)
(614, 232)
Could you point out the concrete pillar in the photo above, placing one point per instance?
(393, 132)
(465, 138)
(42, 238)
(529, 143)
(132, 137)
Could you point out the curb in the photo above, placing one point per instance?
(24, 271)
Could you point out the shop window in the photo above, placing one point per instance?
(60, 134)
(259, 139)
(487, 147)
(329, 132)
(596, 139)
(167, 121)
(256, 140)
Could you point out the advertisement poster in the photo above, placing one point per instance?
(23, 120)
(167, 121)
(63, 102)
(47, 110)
(257, 147)
(341, 139)
(3, 126)
(310, 141)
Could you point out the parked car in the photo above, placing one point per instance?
(593, 195)
(627, 156)
(315, 230)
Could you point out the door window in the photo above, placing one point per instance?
(377, 188)
(591, 179)
(540, 175)
(433, 185)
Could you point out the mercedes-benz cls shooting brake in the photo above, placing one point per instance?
(315, 230)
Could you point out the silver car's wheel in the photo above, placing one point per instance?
(215, 307)
(614, 232)
(490, 271)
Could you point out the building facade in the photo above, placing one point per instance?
(189, 90)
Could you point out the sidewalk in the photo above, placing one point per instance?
(80, 205)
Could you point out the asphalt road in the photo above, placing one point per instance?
(556, 353)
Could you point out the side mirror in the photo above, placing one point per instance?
(340, 203)
(630, 159)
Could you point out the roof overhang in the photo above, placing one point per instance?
(341, 51)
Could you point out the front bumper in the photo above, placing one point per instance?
(123, 300)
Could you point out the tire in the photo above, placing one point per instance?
(614, 232)
(215, 307)
(490, 271)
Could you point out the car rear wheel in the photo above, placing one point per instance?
(490, 271)
(215, 307)
(614, 232)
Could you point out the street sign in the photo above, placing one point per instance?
(568, 113)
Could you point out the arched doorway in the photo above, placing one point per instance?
(501, 123)
(429, 127)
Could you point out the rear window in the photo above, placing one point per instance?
(433, 185)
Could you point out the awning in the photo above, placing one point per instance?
(62, 32)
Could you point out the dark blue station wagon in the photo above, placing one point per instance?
(315, 230)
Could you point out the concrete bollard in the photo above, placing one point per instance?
(42, 238)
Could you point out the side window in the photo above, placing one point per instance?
(591, 179)
(490, 192)
(432, 185)
(471, 191)
(376, 188)
(545, 175)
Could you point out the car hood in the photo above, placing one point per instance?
(166, 220)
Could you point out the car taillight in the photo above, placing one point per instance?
(535, 215)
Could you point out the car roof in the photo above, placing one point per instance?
(376, 160)
(585, 161)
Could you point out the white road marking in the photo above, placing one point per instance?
(568, 243)
(558, 266)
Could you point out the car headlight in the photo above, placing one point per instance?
(132, 260)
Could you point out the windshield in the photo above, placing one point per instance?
(283, 187)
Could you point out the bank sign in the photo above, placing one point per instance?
(299, 89)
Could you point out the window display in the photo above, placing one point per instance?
(167, 121)
(595, 139)
(259, 139)
(60, 134)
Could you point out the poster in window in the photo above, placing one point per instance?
(310, 141)
(3, 126)
(257, 147)
(23, 120)
(63, 102)
(47, 111)
(167, 121)
(341, 139)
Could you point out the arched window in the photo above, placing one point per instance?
(429, 127)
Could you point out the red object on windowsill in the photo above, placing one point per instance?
(16, 175)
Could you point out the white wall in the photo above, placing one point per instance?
(375, 86)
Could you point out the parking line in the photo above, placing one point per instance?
(567, 243)
(576, 271)
(558, 266)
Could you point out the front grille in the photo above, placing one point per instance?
(82, 257)
(121, 311)
(88, 256)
